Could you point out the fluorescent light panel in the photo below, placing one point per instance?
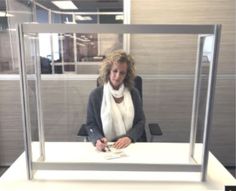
(119, 17)
(83, 18)
(65, 5)
(5, 14)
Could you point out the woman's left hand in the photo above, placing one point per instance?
(122, 143)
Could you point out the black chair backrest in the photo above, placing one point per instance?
(138, 83)
(155, 129)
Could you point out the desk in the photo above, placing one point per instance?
(14, 179)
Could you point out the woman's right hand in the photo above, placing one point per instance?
(101, 144)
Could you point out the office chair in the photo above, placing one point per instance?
(154, 128)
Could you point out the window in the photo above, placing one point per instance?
(67, 53)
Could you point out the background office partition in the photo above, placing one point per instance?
(201, 45)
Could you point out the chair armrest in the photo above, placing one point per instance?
(82, 131)
(155, 129)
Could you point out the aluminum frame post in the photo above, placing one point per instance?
(39, 102)
(196, 96)
(210, 101)
(25, 105)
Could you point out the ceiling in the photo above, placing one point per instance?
(83, 5)
(2, 5)
(87, 5)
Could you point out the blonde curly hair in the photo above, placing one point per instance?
(120, 57)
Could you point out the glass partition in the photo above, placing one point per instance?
(70, 52)
(178, 93)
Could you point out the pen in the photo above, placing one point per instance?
(108, 148)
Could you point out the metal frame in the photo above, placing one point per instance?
(130, 29)
(196, 95)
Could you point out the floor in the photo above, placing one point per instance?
(232, 170)
(3, 169)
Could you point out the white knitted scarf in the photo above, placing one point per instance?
(113, 123)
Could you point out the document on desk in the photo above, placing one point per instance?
(113, 153)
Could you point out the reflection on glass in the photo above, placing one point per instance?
(87, 47)
(65, 52)
(207, 49)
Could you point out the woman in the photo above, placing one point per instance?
(115, 110)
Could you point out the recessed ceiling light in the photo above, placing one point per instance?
(65, 5)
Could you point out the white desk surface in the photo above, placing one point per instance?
(14, 179)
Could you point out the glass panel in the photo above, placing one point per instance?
(15, 12)
(167, 89)
(168, 98)
(68, 47)
(41, 15)
(78, 49)
(87, 47)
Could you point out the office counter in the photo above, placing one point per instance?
(160, 153)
